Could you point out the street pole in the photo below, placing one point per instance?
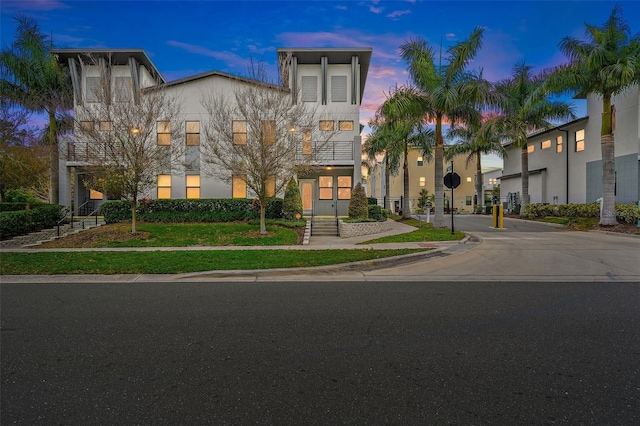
(451, 205)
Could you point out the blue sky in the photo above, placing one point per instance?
(187, 37)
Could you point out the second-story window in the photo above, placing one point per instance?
(122, 89)
(164, 133)
(559, 144)
(306, 141)
(193, 133)
(338, 88)
(345, 125)
(309, 88)
(327, 125)
(92, 90)
(545, 144)
(530, 148)
(239, 132)
(106, 126)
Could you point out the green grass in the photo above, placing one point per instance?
(425, 234)
(183, 261)
(577, 223)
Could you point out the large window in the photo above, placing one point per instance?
(344, 187)
(559, 144)
(339, 88)
(164, 133)
(239, 132)
(325, 184)
(193, 133)
(268, 132)
(306, 142)
(327, 125)
(164, 186)
(545, 144)
(193, 186)
(309, 88)
(239, 186)
(106, 126)
(580, 140)
(345, 125)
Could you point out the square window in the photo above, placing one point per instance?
(87, 126)
(106, 126)
(346, 125)
(530, 149)
(468, 178)
(327, 125)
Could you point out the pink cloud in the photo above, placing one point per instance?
(227, 57)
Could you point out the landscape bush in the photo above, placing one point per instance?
(626, 213)
(13, 207)
(377, 213)
(372, 201)
(22, 222)
(191, 210)
(358, 207)
(292, 203)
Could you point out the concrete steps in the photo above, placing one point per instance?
(324, 227)
(35, 238)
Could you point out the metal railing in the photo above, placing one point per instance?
(82, 222)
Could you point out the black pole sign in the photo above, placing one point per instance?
(452, 181)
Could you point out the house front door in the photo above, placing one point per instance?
(306, 192)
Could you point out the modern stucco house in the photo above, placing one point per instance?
(565, 162)
(330, 79)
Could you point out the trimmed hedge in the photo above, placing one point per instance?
(377, 213)
(372, 201)
(14, 223)
(191, 210)
(627, 213)
(13, 207)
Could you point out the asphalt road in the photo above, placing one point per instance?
(308, 353)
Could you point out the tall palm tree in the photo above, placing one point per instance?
(524, 108)
(606, 64)
(445, 93)
(474, 141)
(32, 78)
(396, 130)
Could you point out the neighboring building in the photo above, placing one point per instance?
(332, 80)
(421, 174)
(565, 162)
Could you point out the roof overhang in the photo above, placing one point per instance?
(114, 56)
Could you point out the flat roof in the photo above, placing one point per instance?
(335, 55)
(116, 57)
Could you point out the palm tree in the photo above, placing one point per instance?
(444, 93)
(395, 131)
(473, 141)
(33, 79)
(524, 108)
(606, 64)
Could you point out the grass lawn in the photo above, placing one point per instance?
(175, 262)
(424, 234)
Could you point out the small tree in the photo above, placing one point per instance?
(257, 139)
(358, 208)
(425, 198)
(129, 143)
(292, 203)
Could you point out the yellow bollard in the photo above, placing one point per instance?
(498, 216)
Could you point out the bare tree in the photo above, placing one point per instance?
(256, 140)
(129, 139)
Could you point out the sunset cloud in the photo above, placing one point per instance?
(398, 13)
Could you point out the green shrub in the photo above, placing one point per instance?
(13, 207)
(377, 213)
(115, 211)
(372, 201)
(14, 223)
(274, 209)
(21, 196)
(292, 203)
(626, 213)
(285, 223)
(358, 203)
